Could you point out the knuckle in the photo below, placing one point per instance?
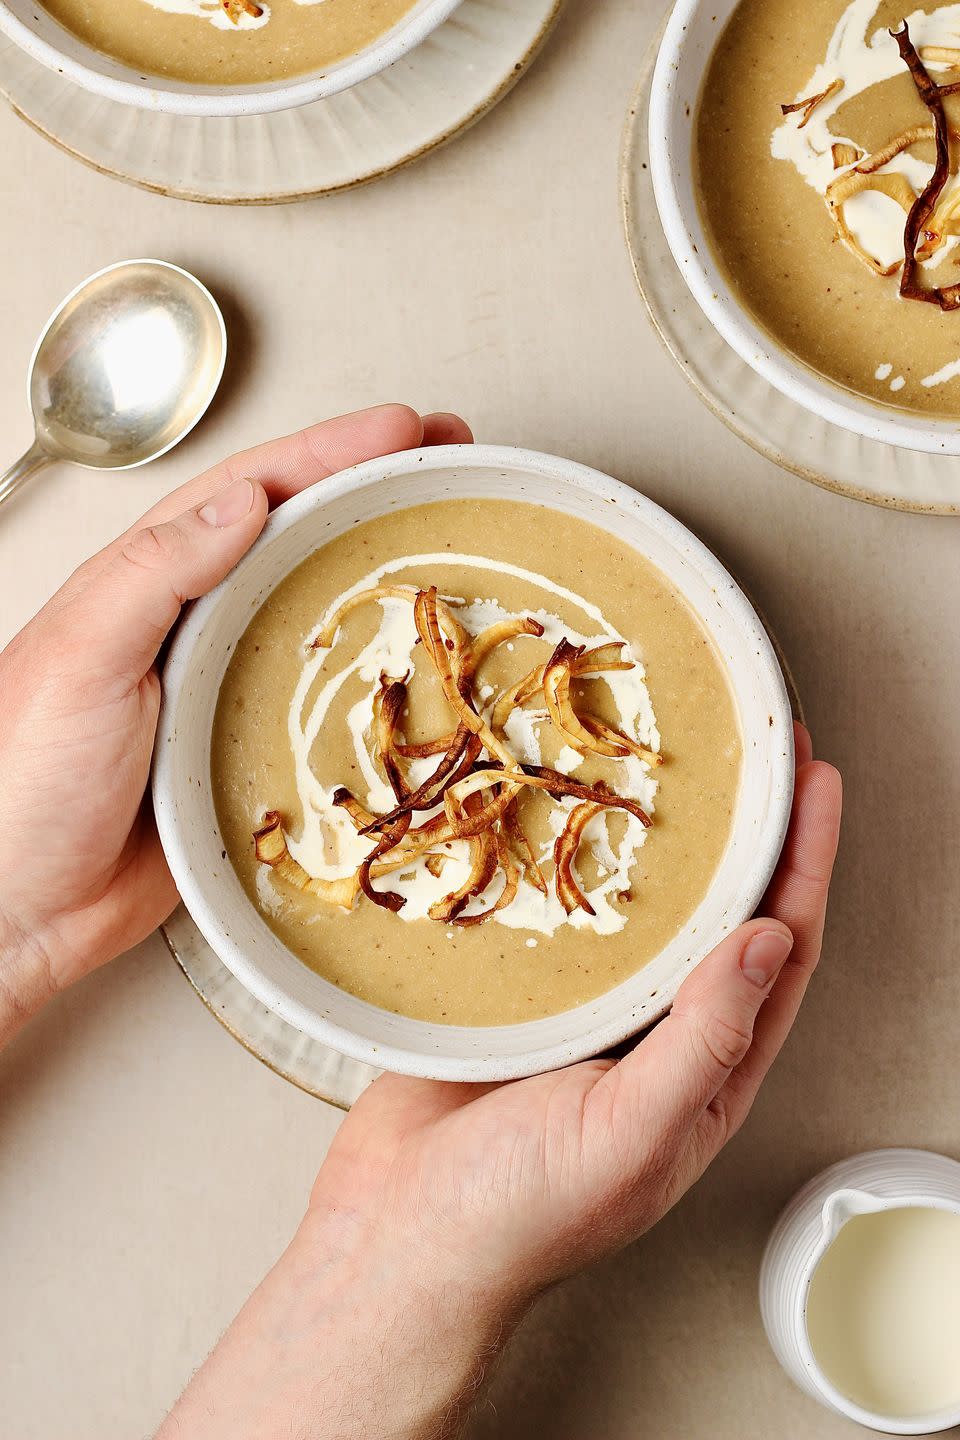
(726, 1040)
(154, 548)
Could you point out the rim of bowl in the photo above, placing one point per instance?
(594, 1039)
(693, 255)
(224, 102)
(215, 384)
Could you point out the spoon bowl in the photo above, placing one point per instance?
(123, 369)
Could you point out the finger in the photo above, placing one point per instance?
(802, 877)
(446, 429)
(661, 1088)
(803, 745)
(799, 898)
(129, 605)
(286, 466)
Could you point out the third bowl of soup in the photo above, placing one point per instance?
(805, 163)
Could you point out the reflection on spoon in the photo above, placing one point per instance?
(123, 370)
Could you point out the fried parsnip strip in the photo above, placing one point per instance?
(388, 707)
(511, 881)
(843, 154)
(602, 658)
(946, 296)
(477, 651)
(428, 628)
(390, 839)
(328, 634)
(233, 9)
(896, 186)
(423, 749)
(465, 824)
(458, 762)
(516, 696)
(565, 849)
(519, 842)
(415, 844)
(435, 864)
(484, 866)
(271, 849)
(940, 54)
(944, 221)
(487, 641)
(807, 106)
(556, 689)
(540, 777)
(619, 743)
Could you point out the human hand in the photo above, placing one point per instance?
(82, 874)
(442, 1210)
(503, 1189)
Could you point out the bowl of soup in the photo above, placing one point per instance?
(470, 760)
(219, 57)
(802, 192)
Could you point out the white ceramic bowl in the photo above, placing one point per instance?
(188, 824)
(688, 41)
(36, 32)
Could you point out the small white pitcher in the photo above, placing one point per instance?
(876, 1180)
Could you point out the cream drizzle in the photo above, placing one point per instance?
(213, 11)
(862, 60)
(329, 845)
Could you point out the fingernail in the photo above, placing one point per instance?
(231, 504)
(764, 957)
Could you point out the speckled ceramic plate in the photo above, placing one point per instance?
(459, 73)
(779, 428)
(296, 1057)
(304, 1062)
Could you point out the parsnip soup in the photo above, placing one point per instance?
(475, 762)
(827, 148)
(228, 42)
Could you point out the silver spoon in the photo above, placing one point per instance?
(123, 369)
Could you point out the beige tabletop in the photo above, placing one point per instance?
(150, 1169)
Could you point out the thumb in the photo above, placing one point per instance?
(679, 1068)
(134, 600)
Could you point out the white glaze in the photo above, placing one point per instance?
(330, 846)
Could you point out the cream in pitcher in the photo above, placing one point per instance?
(860, 1290)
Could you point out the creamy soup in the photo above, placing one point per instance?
(565, 644)
(228, 42)
(804, 212)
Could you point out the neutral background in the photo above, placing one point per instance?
(150, 1169)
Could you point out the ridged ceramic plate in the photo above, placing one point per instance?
(779, 428)
(282, 1048)
(433, 94)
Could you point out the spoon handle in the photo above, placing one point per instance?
(27, 465)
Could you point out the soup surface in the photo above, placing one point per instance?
(801, 216)
(302, 712)
(228, 42)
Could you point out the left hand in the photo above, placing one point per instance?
(82, 874)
